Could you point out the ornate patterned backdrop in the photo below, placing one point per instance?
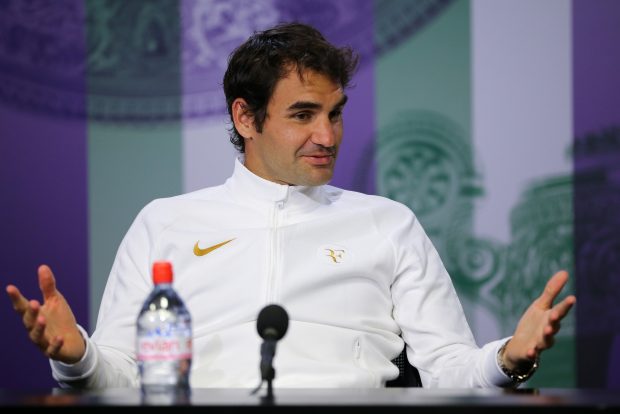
(495, 121)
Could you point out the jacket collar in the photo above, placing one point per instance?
(245, 184)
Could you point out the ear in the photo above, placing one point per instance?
(243, 118)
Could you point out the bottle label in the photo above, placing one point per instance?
(165, 345)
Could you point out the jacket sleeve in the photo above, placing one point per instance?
(439, 341)
(110, 359)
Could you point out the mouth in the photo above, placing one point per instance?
(319, 159)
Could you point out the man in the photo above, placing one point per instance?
(356, 273)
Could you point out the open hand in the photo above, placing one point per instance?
(538, 325)
(51, 326)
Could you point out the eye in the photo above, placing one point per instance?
(335, 115)
(302, 116)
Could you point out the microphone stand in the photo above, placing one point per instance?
(268, 350)
(268, 373)
(271, 325)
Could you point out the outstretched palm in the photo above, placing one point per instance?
(537, 327)
(51, 326)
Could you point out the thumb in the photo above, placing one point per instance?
(47, 283)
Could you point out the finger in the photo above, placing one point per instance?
(54, 346)
(31, 314)
(548, 336)
(554, 316)
(19, 302)
(552, 289)
(549, 342)
(551, 329)
(47, 282)
(36, 334)
(542, 345)
(561, 309)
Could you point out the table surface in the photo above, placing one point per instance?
(423, 400)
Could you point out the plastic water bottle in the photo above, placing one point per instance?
(164, 340)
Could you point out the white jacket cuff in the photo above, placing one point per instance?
(82, 369)
(495, 375)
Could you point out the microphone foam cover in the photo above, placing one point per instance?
(272, 322)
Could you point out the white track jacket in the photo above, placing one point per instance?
(356, 273)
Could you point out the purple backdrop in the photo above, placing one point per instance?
(596, 88)
(43, 182)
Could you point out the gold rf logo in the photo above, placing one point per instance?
(337, 255)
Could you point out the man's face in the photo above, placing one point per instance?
(302, 131)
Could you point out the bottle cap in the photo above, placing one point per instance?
(162, 272)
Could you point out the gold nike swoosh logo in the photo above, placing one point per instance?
(201, 252)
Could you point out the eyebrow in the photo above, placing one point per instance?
(314, 105)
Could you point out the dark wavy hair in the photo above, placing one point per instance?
(256, 66)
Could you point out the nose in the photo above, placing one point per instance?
(326, 132)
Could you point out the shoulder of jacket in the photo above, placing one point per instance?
(372, 201)
(167, 209)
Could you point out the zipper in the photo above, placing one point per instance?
(274, 251)
(357, 349)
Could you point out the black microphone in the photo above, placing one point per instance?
(271, 325)
(272, 322)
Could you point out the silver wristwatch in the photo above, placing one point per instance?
(515, 376)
